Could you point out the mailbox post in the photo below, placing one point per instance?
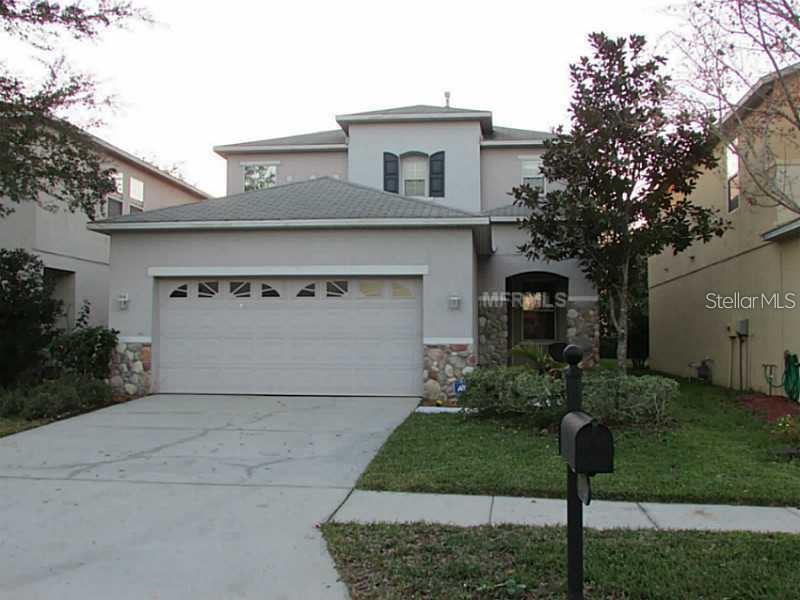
(572, 376)
(588, 449)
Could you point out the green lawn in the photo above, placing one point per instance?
(9, 426)
(716, 452)
(436, 561)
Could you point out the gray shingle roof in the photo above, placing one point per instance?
(332, 136)
(510, 210)
(415, 109)
(322, 198)
(503, 134)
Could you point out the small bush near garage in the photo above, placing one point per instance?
(55, 398)
(28, 314)
(85, 350)
(612, 397)
(514, 391)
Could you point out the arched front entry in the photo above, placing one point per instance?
(536, 309)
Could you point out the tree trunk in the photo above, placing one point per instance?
(622, 331)
(622, 322)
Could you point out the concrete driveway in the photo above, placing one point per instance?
(185, 497)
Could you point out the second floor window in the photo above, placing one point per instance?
(136, 192)
(532, 175)
(113, 208)
(259, 177)
(732, 171)
(117, 177)
(415, 175)
(419, 174)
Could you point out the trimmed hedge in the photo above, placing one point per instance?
(56, 398)
(611, 397)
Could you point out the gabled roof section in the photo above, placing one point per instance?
(756, 94)
(330, 140)
(417, 113)
(322, 200)
(123, 155)
(512, 137)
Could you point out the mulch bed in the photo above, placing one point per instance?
(770, 408)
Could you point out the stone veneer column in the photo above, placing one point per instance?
(443, 365)
(131, 369)
(493, 334)
(583, 329)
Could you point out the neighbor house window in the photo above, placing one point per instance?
(732, 170)
(532, 175)
(136, 190)
(415, 175)
(135, 210)
(114, 208)
(259, 177)
(538, 316)
(118, 182)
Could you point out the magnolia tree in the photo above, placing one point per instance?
(627, 168)
(738, 68)
(41, 152)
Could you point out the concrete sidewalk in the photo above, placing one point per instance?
(397, 507)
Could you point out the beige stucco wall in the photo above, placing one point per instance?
(501, 170)
(291, 166)
(447, 252)
(684, 330)
(61, 239)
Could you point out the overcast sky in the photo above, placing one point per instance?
(221, 72)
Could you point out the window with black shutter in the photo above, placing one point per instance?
(436, 184)
(391, 173)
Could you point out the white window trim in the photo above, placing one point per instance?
(304, 270)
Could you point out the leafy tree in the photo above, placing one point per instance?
(28, 313)
(627, 169)
(40, 151)
(732, 49)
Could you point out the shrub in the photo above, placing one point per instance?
(787, 429)
(85, 350)
(514, 391)
(11, 403)
(613, 398)
(56, 398)
(28, 313)
(616, 398)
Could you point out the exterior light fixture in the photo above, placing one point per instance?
(122, 301)
(454, 302)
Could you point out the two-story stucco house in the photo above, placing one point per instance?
(345, 262)
(736, 299)
(75, 258)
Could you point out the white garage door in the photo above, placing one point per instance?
(332, 336)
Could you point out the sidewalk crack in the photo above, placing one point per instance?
(647, 514)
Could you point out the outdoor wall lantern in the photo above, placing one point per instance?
(454, 302)
(122, 301)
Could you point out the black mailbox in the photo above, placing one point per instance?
(586, 445)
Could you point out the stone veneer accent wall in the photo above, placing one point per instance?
(492, 334)
(443, 365)
(130, 369)
(583, 329)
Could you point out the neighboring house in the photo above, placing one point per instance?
(730, 300)
(76, 258)
(346, 262)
